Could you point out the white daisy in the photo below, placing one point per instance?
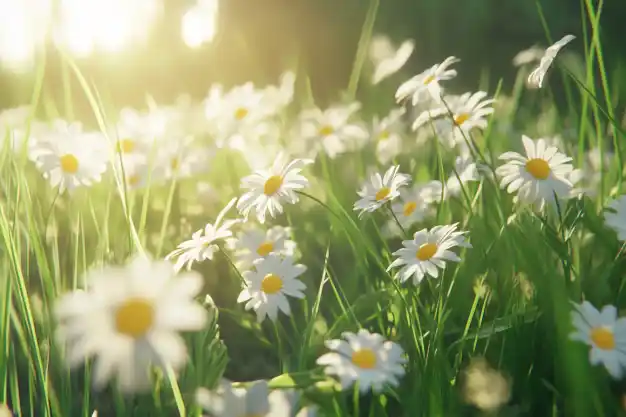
(256, 243)
(387, 135)
(331, 130)
(276, 98)
(128, 318)
(415, 203)
(365, 358)
(426, 84)
(528, 56)
(268, 285)
(616, 217)
(538, 176)
(454, 121)
(68, 157)
(380, 190)
(467, 170)
(203, 243)
(605, 333)
(428, 251)
(181, 158)
(535, 79)
(268, 188)
(386, 59)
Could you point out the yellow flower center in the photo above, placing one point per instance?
(174, 163)
(382, 193)
(384, 135)
(133, 180)
(69, 164)
(426, 251)
(409, 208)
(429, 79)
(241, 113)
(326, 130)
(265, 248)
(271, 284)
(538, 168)
(364, 358)
(603, 338)
(125, 145)
(461, 118)
(272, 185)
(134, 317)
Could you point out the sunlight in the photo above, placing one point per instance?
(199, 23)
(22, 29)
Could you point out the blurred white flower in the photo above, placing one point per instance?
(128, 318)
(415, 203)
(387, 135)
(467, 171)
(255, 243)
(426, 84)
(485, 387)
(528, 56)
(386, 58)
(181, 158)
(615, 217)
(535, 79)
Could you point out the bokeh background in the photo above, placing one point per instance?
(170, 47)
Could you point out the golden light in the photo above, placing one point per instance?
(199, 23)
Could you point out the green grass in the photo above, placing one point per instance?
(508, 300)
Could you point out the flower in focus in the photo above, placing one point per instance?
(415, 203)
(387, 135)
(69, 158)
(386, 59)
(203, 243)
(428, 252)
(485, 387)
(128, 318)
(256, 243)
(365, 358)
(425, 85)
(268, 188)
(538, 176)
(535, 79)
(380, 189)
(615, 218)
(467, 170)
(331, 131)
(605, 333)
(268, 285)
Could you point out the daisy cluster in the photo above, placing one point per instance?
(129, 319)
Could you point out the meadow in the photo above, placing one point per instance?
(419, 251)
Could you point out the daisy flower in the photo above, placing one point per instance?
(365, 358)
(535, 79)
(428, 252)
(414, 204)
(128, 318)
(380, 189)
(538, 176)
(268, 285)
(269, 188)
(467, 170)
(69, 158)
(181, 159)
(278, 97)
(387, 135)
(230, 401)
(203, 243)
(426, 84)
(469, 111)
(386, 59)
(605, 333)
(256, 243)
(331, 130)
(616, 217)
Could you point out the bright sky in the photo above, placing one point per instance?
(85, 26)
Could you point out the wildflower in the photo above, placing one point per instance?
(203, 243)
(386, 59)
(616, 217)
(485, 387)
(268, 188)
(454, 121)
(331, 130)
(256, 243)
(465, 170)
(379, 190)
(528, 56)
(5, 411)
(535, 79)
(605, 333)
(415, 203)
(426, 84)
(387, 134)
(365, 358)
(69, 158)
(267, 286)
(428, 252)
(538, 176)
(180, 159)
(276, 98)
(128, 318)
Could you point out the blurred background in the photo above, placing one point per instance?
(130, 48)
